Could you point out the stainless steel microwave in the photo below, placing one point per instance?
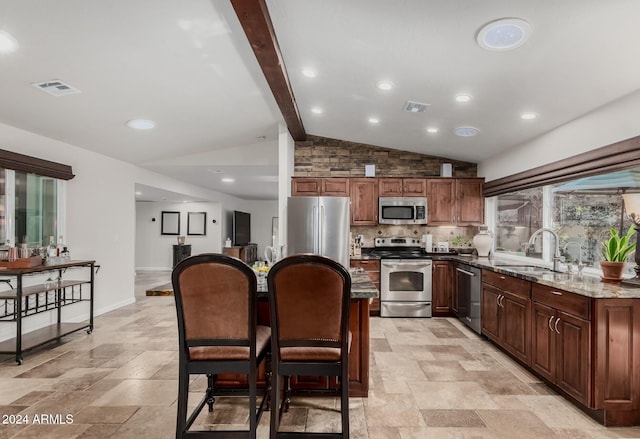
(402, 210)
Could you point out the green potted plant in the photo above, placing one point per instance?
(462, 245)
(615, 251)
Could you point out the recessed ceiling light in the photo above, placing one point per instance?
(317, 110)
(227, 180)
(432, 130)
(261, 138)
(138, 193)
(503, 34)
(8, 43)
(309, 72)
(528, 116)
(465, 131)
(385, 85)
(463, 97)
(141, 124)
(374, 120)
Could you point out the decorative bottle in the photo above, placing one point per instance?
(52, 252)
(483, 242)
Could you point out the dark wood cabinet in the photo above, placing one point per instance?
(455, 201)
(586, 348)
(180, 252)
(402, 187)
(561, 340)
(506, 309)
(364, 201)
(469, 201)
(443, 289)
(372, 268)
(326, 187)
(441, 194)
(617, 362)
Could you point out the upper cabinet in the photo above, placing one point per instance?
(455, 201)
(402, 187)
(325, 187)
(364, 201)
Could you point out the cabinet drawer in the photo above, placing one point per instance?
(570, 303)
(519, 287)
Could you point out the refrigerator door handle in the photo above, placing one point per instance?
(320, 229)
(315, 228)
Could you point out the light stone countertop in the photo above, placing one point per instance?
(585, 285)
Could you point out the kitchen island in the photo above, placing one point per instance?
(362, 292)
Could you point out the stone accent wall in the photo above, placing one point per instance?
(324, 157)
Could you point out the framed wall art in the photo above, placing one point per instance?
(197, 223)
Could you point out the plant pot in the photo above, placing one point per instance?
(611, 271)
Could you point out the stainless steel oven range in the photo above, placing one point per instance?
(405, 278)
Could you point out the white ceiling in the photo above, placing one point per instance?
(187, 65)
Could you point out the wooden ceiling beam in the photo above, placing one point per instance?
(256, 22)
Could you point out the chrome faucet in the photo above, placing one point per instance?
(556, 256)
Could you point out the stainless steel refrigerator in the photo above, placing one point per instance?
(319, 225)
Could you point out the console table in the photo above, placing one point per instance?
(51, 296)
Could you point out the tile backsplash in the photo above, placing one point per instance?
(439, 234)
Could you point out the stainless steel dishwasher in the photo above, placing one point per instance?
(468, 290)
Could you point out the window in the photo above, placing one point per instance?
(30, 208)
(581, 212)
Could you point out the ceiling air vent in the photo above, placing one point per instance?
(55, 87)
(415, 107)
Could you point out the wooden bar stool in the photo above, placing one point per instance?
(309, 299)
(217, 326)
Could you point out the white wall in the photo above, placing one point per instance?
(101, 213)
(154, 251)
(604, 126)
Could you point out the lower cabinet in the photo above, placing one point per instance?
(586, 348)
(506, 311)
(561, 350)
(442, 289)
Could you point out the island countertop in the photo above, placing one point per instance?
(361, 287)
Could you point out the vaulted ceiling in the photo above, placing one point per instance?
(189, 67)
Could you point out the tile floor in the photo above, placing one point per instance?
(429, 378)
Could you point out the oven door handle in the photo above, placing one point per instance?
(407, 266)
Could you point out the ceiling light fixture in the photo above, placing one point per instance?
(227, 180)
(465, 131)
(374, 120)
(528, 116)
(141, 124)
(463, 97)
(309, 73)
(432, 130)
(503, 34)
(317, 110)
(8, 43)
(385, 85)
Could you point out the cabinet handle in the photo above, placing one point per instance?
(550, 320)
(498, 300)
(557, 293)
(556, 325)
(502, 302)
(502, 277)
